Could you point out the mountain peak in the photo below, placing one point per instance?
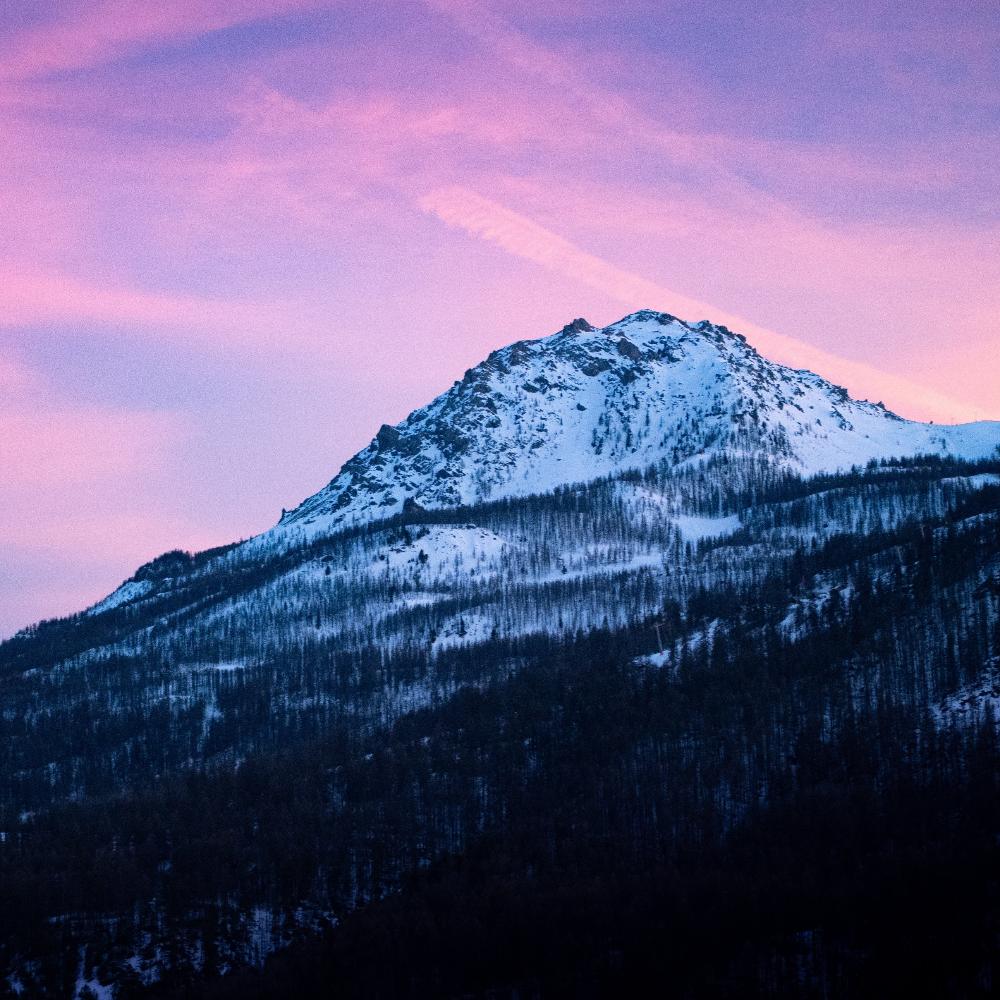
(579, 325)
(647, 316)
(587, 402)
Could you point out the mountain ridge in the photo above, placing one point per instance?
(585, 402)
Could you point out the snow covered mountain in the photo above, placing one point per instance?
(578, 406)
(655, 494)
(585, 403)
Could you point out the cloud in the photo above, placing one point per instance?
(29, 296)
(68, 448)
(79, 493)
(694, 125)
(99, 32)
(49, 445)
(522, 237)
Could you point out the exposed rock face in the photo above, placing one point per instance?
(629, 350)
(579, 325)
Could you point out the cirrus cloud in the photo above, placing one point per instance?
(525, 238)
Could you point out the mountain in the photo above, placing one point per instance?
(586, 402)
(598, 660)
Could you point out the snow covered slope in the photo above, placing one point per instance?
(585, 403)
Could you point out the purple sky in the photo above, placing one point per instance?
(238, 235)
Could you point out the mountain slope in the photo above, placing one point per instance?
(252, 740)
(585, 403)
(223, 768)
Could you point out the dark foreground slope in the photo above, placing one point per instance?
(850, 886)
(750, 827)
(799, 798)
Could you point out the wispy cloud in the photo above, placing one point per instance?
(79, 478)
(525, 238)
(99, 32)
(31, 297)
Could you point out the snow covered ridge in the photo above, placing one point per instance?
(585, 403)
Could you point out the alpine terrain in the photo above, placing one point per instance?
(633, 656)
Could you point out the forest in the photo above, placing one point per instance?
(263, 779)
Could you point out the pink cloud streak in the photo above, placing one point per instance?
(31, 297)
(106, 30)
(522, 237)
(81, 479)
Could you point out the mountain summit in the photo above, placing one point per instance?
(585, 403)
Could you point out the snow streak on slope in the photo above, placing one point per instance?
(585, 403)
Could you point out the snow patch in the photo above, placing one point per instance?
(693, 529)
(131, 590)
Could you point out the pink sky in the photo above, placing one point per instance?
(238, 235)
